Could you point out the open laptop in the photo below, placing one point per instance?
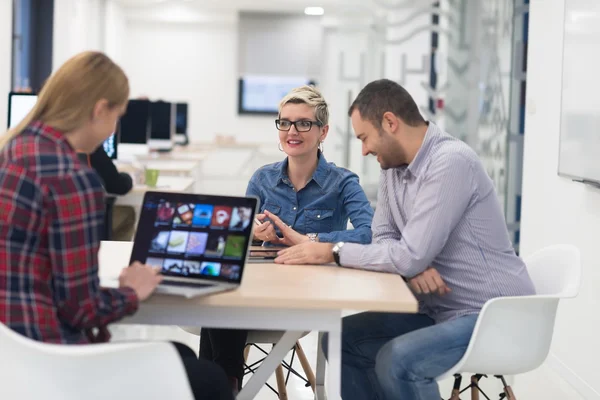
(201, 242)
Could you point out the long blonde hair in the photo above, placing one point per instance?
(69, 96)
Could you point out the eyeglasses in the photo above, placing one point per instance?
(301, 126)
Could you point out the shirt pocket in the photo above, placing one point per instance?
(275, 209)
(272, 208)
(318, 220)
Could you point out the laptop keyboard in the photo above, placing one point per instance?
(186, 284)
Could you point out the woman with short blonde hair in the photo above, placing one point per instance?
(302, 198)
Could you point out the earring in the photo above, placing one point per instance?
(321, 146)
(280, 148)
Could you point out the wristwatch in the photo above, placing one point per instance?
(313, 237)
(336, 252)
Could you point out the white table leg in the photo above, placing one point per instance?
(320, 374)
(267, 367)
(334, 358)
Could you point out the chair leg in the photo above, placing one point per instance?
(508, 392)
(510, 395)
(246, 352)
(281, 383)
(310, 375)
(456, 388)
(475, 387)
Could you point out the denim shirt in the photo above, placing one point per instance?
(323, 206)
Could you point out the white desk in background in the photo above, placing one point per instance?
(197, 156)
(172, 167)
(164, 184)
(294, 298)
(179, 168)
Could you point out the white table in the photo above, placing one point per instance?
(174, 167)
(180, 168)
(164, 184)
(290, 297)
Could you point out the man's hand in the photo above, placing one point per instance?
(290, 236)
(429, 281)
(306, 253)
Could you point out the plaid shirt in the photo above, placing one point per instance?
(51, 217)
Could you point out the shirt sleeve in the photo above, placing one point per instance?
(115, 182)
(76, 208)
(254, 191)
(384, 228)
(440, 203)
(358, 209)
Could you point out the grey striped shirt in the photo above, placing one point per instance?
(442, 211)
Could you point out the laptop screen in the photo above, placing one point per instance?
(110, 146)
(194, 235)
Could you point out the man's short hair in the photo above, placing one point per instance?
(384, 95)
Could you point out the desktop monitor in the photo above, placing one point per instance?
(181, 124)
(181, 118)
(261, 94)
(19, 105)
(135, 124)
(162, 125)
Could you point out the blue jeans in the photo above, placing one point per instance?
(388, 356)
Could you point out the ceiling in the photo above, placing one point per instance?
(241, 5)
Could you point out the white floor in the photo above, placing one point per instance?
(542, 383)
(295, 387)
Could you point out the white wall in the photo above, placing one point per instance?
(196, 64)
(78, 26)
(280, 44)
(180, 53)
(556, 210)
(337, 84)
(408, 36)
(115, 31)
(5, 58)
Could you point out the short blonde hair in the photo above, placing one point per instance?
(310, 96)
(69, 96)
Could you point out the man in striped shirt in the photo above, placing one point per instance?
(440, 225)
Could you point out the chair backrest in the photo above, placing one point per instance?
(513, 334)
(146, 370)
(556, 270)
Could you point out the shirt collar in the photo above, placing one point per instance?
(319, 176)
(53, 134)
(416, 166)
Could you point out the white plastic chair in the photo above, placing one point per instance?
(513, 334)
(31, 370)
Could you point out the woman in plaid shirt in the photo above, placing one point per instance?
(51, 217)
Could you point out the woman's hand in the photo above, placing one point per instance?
(265, 231)
(290, 236)
(143, 279)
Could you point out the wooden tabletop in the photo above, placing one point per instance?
(270, 285)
